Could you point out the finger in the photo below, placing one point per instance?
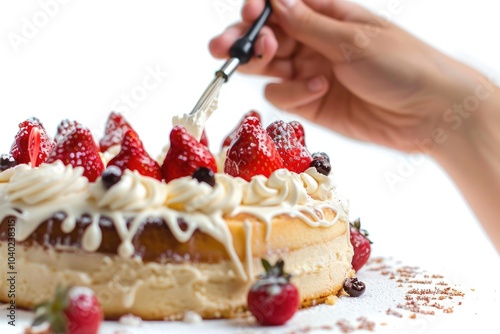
(290, 95)
(322, 33)
(219, 46)
(341, 10)
(286, 44)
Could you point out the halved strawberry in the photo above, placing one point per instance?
(133, 156)
(230, 137)
(64, 128)
(20, 149)
(116, 126)
(299, 132)
(185, 155)
(295, 157)
(78, 148)
(252, 152)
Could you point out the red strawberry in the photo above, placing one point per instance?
(73, 311)
(230, 137)
(361, 245)
(64, 128)
(204, 139)
(299, 132)
(116, 126)
(273, 299)
(295, 157)
(185, 155)
(78, 148)
(252, 152)
(23, 147)
(133, 156)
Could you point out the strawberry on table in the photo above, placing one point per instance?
(273, 299)
(73, 310)
(23, 147)
(133, 156)
(116, 126)
(185, 155)
(230, 137)
(252, 152)
(295, 157)
(361, 245)
(78, 148)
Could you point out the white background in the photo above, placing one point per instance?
(89, 53)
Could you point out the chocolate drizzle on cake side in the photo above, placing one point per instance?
(153, 242)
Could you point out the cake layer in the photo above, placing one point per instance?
(154, 241)
(156, 291)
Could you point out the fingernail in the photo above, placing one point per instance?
(316, 84)
(287, 3)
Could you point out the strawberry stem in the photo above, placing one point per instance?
(34, 145)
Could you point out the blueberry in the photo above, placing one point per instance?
(7, 161)
(204, 174)
(322, 155)
(111, 176)
(322, 166)
(353, 287)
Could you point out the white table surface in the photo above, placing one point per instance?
(90, 53)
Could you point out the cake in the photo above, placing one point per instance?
(157, 240)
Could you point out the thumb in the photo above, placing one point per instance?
(322, 33)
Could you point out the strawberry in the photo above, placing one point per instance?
(32, 141)
(204, 139)
(78, 148)
(252, 152)
(273, 299)
(133, 156)
(116, 126)
(230, 137)
(295, 157)
(74, 310)
(64, 128)
(361, 245)
(299, 132)
(185, 155)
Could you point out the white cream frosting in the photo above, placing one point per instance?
(109, 154)
(134, 192)
(49, 182)
(40, 192)
(317, 185)
(282, 188)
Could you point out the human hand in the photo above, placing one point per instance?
(349, 70)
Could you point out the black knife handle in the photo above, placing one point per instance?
(242, 49)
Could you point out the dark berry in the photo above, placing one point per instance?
(204, 174)
(322, 155)
(353, 287)
(322, 166)
(111, 176)
(7, 161)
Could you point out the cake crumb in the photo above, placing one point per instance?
(331, 300)
(413, 316)
(130, 320)
(192, 317)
